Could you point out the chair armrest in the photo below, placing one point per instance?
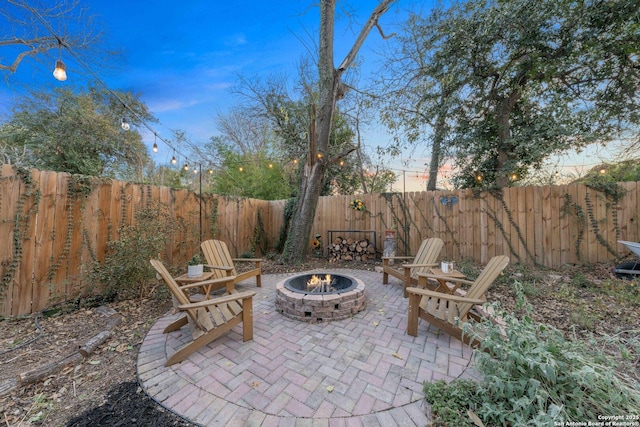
(418, 265)
(219, 267)
(208, 282)
(397, 257)
(445, 296)
(447, 278)
(246, 259)
(216, 301)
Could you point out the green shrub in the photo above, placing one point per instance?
(532, 375)
(450, 402)
(126, 270)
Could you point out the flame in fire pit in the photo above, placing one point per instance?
(318, 284)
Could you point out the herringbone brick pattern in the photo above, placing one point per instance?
(362, 371)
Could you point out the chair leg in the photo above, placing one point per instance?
(259, 280)
(412, 317)
(176, 324)
(247, 319)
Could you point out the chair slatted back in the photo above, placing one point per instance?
(489, 274)
(217, 253)
(199, 316)
(427, 254)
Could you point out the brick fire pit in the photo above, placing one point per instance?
(332, 297)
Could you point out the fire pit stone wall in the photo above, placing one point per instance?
(316, 308)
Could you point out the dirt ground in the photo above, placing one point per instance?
(102, 389)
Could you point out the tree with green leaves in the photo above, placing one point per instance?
(247, 174)
(79, 133)
(529, 80)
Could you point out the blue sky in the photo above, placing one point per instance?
(184, 57)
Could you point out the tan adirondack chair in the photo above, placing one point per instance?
(450, 312)
(425, 258)
(207, 319)
(221, 264)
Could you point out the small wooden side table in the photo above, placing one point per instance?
(207, 287)
(442, 280)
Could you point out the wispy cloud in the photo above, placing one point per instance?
(235, 40)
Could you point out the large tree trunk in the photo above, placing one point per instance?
(295, 249)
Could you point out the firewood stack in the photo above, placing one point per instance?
(349, 249)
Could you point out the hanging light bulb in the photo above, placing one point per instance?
(155, 147)
(174, 160)
(125, 125)
(341, 163)
(270, 165)
(240, 168)
(210, 171)
(295, 161)
(195, 171)
(60, 72)
(186, 167)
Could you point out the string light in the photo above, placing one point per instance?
(240, 168)
(341, 163)
(270, 165)
(186, 166)
(210, 171)
(125, 125)
(195, 171)
(60, 72)
(155, 143)
(173, 159)
(479, 177)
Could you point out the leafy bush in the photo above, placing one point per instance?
(450, 402)
(126, 270)
(532, 375)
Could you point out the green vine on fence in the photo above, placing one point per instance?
(402, 237)
(595, 227)
(570, 207)
(448, 230)
(498, 194)
(260, 239)
(21, 223)
(79, 187)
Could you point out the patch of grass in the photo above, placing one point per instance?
(450, 402)
(584, 317)
(579, 280)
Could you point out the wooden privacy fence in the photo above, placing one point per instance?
(549, 226)
(53, 224)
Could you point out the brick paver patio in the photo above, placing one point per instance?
(362, 371)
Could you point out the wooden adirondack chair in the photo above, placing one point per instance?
(220, 262)
(450, 312)
(408, 273)
(208, 319)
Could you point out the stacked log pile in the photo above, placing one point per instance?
(349, 249)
